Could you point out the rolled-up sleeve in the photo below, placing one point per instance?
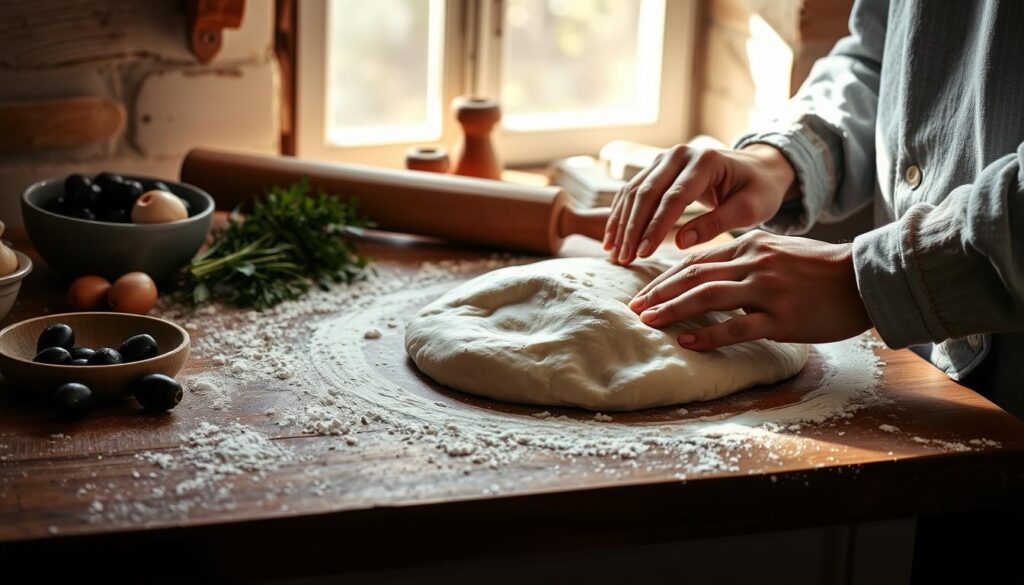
(828, 129)
(949, 270)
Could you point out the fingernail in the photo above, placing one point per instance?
(637, 303)
(614, 252)
(648, 316)
(689, 238)
(687, 338)
(644, 249)
(624, 254)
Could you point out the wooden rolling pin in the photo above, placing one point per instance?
(458, 209)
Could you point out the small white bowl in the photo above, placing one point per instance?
(11, 284)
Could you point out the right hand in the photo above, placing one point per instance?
(743, 188)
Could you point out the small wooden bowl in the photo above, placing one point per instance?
(18, 347)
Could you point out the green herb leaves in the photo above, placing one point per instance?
(291, 240)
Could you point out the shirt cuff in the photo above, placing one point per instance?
(815, 175)
(881, 260)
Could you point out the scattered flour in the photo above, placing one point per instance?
(315, 349)
(955, 446)
(343, 393)
(889, 428)
(212, 455)
(214, 452)
(160, 459)
(217, 394)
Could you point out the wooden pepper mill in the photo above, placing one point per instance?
(431, 159)
(475, 156)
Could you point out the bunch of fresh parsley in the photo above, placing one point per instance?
(290, 241)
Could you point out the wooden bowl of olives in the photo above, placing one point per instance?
(107, 352)
(84, 225)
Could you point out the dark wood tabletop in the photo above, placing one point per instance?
(81, 491)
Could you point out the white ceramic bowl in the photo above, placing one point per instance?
(10, 285)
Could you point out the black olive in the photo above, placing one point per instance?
(73, 183)
(138, 347)
(56, 335)
(134, 187)
(105, 356)
(81, 353)
(130, 191)
(120, 193)
(73, 400)
(82, 213)
(57, 356)
(114, 215)
(58, 205)
(155, 185)
(104, 180)
(157, 392)
(80, 362)
(85, 196)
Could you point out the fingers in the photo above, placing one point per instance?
(646, 200)
(734, 213)
(691, 184)
(688, 278)
(715, 296)
(615, 229)
(740, 328)
(612, 226)
(620, 232)
(722, 253)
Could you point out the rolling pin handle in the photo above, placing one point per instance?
(585, 222)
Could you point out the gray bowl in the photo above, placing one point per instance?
(75, 247)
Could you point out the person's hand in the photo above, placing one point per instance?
(743, 188)
(791, 289)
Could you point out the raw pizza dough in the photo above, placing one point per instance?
(559, 333)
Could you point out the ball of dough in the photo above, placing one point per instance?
(559, 333)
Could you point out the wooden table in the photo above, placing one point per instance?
(386, 502)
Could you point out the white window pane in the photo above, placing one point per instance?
(581, 63)
(383, 71)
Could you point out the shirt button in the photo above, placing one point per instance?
(913, 176)
(975, 341)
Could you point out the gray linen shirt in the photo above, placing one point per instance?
(921, 111)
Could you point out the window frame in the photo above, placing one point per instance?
(472, 65)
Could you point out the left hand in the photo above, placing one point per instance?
(791, 289)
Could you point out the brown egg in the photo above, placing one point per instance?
(134, 292)
(158, 206)
(88, 293)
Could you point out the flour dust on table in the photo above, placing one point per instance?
(559, 333)
(313, 368)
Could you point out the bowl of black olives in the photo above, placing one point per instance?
(84, 224)
(110, 354)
